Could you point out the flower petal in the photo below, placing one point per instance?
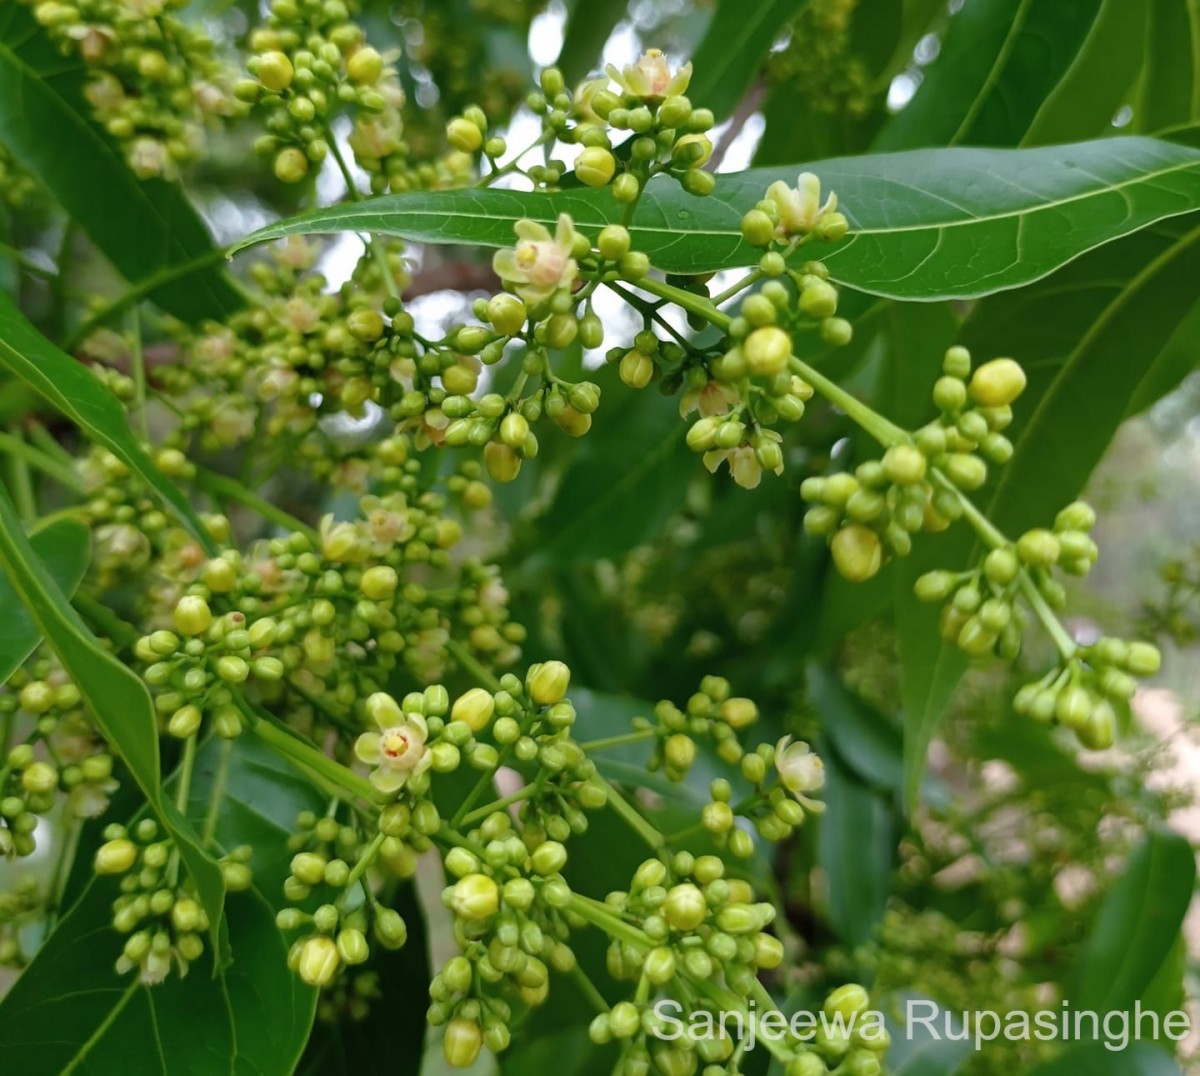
(366, 747)
(530, 229)
(388, 780)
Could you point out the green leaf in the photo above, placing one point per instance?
(1099, 80)
(928, 224)
(148, 229)
(864, 739)
(1169, 94)
(588, 28)
(1024, 72)
(1137, 926)
(628, 479)
(117, 698)
(1096, 1059)
(63, 547)
(916, 1049)
(856, 849)
(732, 50)
(1079, 411)
(78, 394)
(71, 1012)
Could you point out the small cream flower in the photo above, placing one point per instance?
(799, 208)
(800, 770)
(651, 78)
(744, 466)
(398, 751)
(540, 264)
(716, 398)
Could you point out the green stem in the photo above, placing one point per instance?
(619, 741)
(22, 484)
(730, 1002)
(364, 862)
(480, 813)
(181, 798)
(376, 249)
(632, 818)
(472, 667)
(749, 280)
(233, 489)
(138, 359)
(588, 988)
(105, 619)
(217, 795)
(18, 448)
(996, 539)
(308, 756)
(138, 292)
(885, 432)
(600, 916)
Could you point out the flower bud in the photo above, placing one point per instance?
(904, 465)
(365, 67)
(475, 897)
(319, 961)
(685, 907)
(309, 868)
(40, 778)
(625, 188)
(819, 300)
(352, 946)
(462, 1042)
(857, 552)
(757, 228)
(390, 928)
(184, 722)
(291, 165)
(275, 71)
(192, 616)
(847, 1001)
(1143, 659)
(935, 586)
(548, 858)
(680, 752)
(767, 350)
(547, 683)
(768, 951)
(636, 369)
(463, 135)
(1038, 548)
(997, 383)
(232, 669)
(595, 166)
(966, 471)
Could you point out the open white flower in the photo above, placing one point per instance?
(651, 78)
(540, 264)
(398, 750)
(800, 207)
(799, 769)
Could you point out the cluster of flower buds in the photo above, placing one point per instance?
(153, 79)
(16, 904)
(311, 62)
(164, 922)
(61, 754)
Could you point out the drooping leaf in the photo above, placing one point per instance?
(148, 229)
(116, 697)
(733, 49)
(625, 483)
(79, 395)
(1084, 101)
(998, 62)
(856, 850)
(1169, 94)
(1062, 439)
(1138, 924)
(588, 28)
(927, 224)
(63, 548)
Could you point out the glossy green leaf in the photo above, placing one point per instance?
(1169, 94)
(63, 547)
(116, 697)
(1138, 924)
(70, 1013)
(733, 49)
(856, 850)
(865, 740)
(1096, 1059)
(916, 1049)
(148, 229)
(1076, 415)
(78, 394)
(928, 224)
